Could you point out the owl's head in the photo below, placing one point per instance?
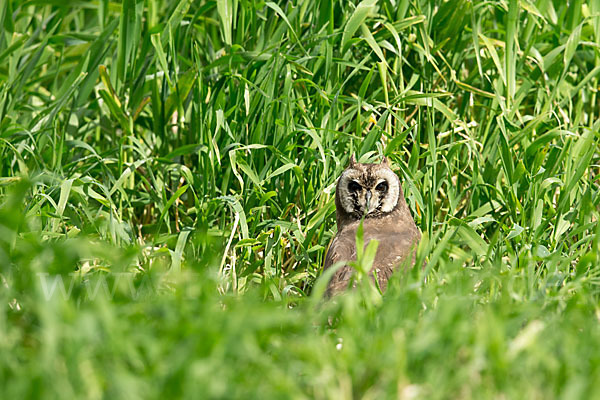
(369, 190)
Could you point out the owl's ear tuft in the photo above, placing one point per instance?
(352, 160)
(385, 161)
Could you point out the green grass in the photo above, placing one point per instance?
(173, 164)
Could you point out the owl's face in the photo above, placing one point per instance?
(369, 190)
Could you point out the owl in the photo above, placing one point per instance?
(372, 191)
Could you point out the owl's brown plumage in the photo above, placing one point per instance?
(372, 190)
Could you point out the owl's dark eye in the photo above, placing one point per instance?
(382, 186)
(354, 186)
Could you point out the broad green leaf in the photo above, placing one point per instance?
(177, 254)
(492, 50)
(65, 191)
(473, 240)
(571, 46)
(363, 9)
(237, 208)
(128, 171)
(280, 12)
(160, 53)
(172, 200)
(373, 44)
(182, 89)
(225, 10)
(515, 231)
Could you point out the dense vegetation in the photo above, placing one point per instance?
(167, 173)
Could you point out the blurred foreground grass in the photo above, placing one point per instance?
(158, 159)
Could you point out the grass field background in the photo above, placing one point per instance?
(167, 175)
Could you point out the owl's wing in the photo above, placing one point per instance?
(341, 249)
(394, 250)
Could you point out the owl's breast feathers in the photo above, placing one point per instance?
(396, 244)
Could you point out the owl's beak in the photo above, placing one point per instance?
(368, 198)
